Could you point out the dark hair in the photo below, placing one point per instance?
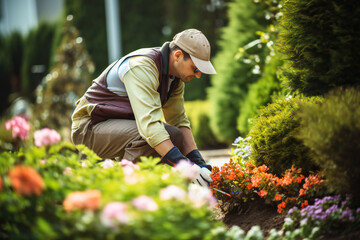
(176, 47)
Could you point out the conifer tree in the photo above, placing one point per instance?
(67, 81)
(229, 85)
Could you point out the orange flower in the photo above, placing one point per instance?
(281, 207)
(287, 180)
(249, 186)
(299, 179)
(277, 197)
(89, 199)
(263, 168)
(255, 180)
(26, 181)
(262, 193)
(304, 204)
(302, 192)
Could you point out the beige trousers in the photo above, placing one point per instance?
(119, 138)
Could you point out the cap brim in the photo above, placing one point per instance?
(204, 66)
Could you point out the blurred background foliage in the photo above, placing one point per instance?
(262, 50)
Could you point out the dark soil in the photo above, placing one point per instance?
(250, 214)
(264, 215)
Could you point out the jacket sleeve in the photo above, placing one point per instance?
(141, 83)
(174, 110)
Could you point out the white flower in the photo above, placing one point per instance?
(172, 192)
(107, 163)
(185, 169)
(201, 196)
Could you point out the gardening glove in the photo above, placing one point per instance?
(173, 157)
(196, 158)
(203, 175)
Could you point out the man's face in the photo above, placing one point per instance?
(185, 69)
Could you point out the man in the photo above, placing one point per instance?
(120, 114)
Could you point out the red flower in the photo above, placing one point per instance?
(255, 180)
(304, 204)
(262, 193)
(302, 192)
(249, 186)
(26, 181)
(277, 197)
(281, 207)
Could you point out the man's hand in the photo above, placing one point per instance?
(173, 157)
(203, 175)
(196, 157)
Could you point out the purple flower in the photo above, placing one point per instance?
(238, 139)
(347, 214)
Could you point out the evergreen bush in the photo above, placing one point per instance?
(229, 85)
(90, 20)
(37, 55)
(66, 83)
(320, 39)
(332, 131)
(198, 114)
(274, 141)
(259, 95)
(5, 74)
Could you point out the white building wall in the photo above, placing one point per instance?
(23, 15)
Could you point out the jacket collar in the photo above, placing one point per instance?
(165, 50)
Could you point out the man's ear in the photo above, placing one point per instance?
(177, 55)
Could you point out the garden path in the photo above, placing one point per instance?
(216, 157)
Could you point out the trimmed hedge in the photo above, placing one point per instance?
(320, 38)
(274, 141)
(198, 113)
(332, 131)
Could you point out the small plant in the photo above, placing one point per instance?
(246, 183)
(328, 216)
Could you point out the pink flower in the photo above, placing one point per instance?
(113, 214)
(128, 166)
(185, 169)
(145, 203)
(201, 196)
(20, 127)
(45, 137)
(172, 192)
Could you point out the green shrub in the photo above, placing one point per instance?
(44, 205)
(273, 137)
(229, 85)
(259, 95)
(332, 131)
(91, 13)
(5, 74)
(320, 38)
(198, 114)
(36, 60)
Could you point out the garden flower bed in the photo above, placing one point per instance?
(48, 190)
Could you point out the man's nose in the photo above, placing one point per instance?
(198, 74)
